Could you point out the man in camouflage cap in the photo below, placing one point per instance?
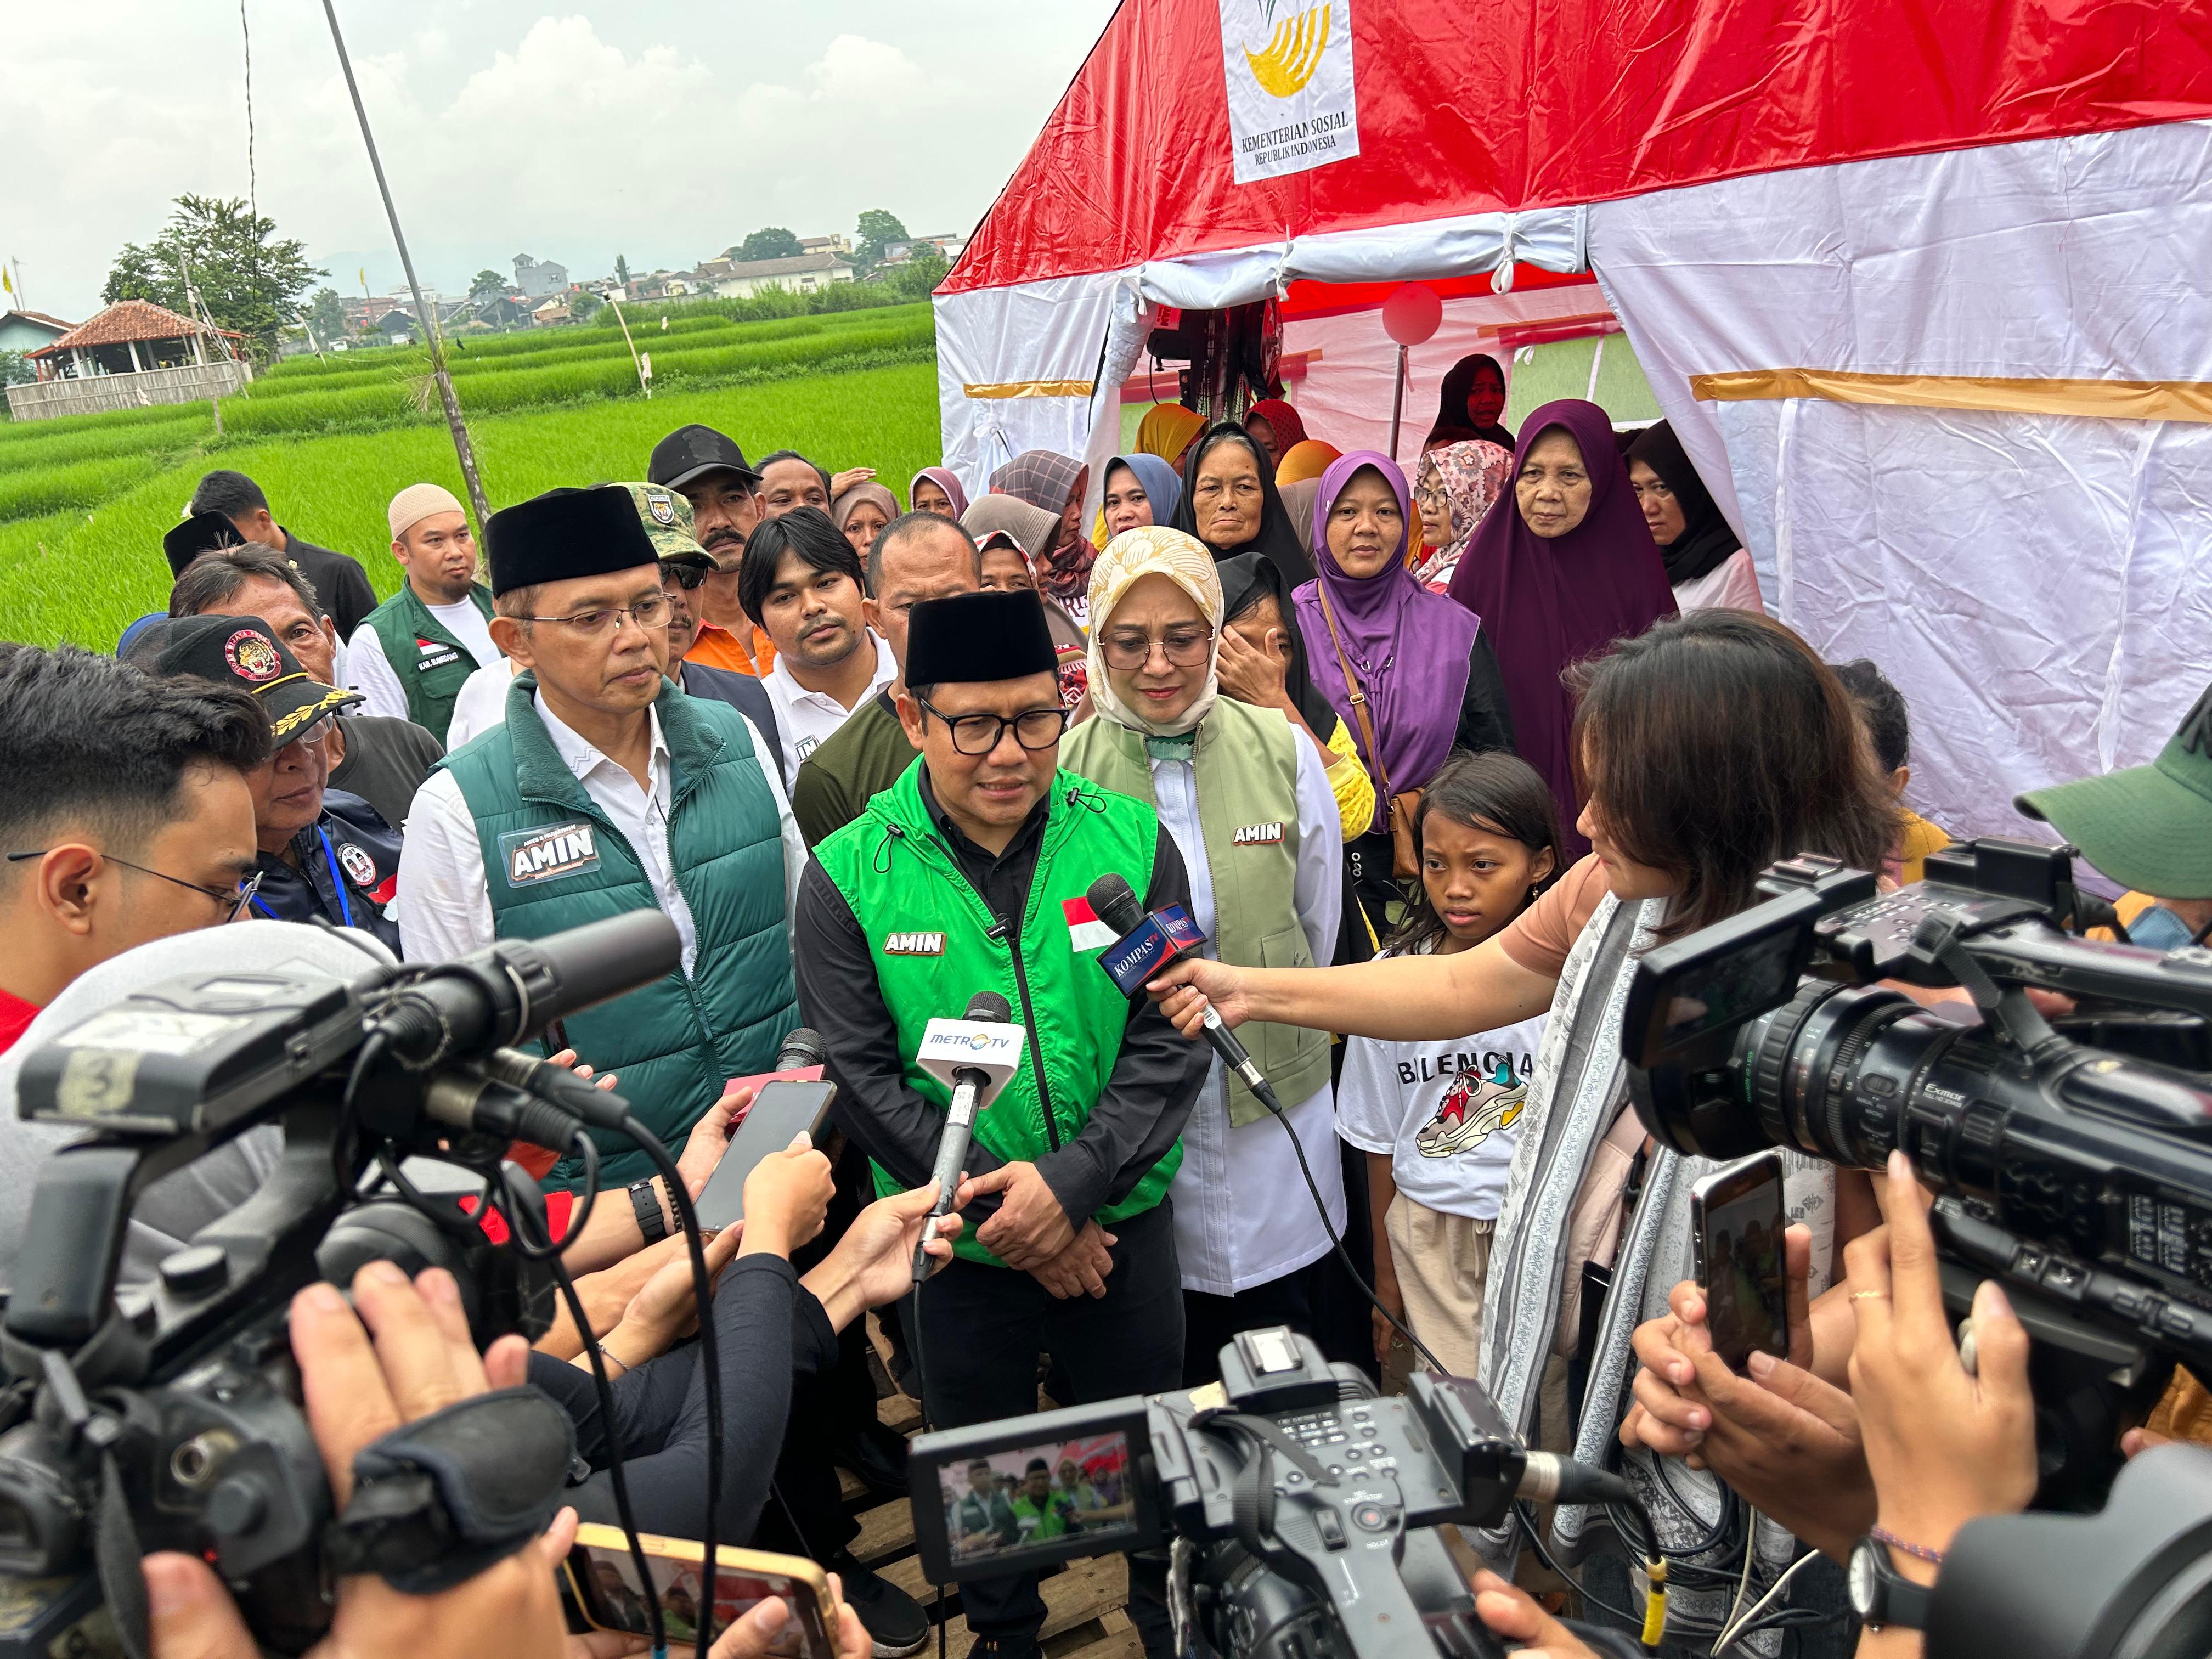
(684, 566)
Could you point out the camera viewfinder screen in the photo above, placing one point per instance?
(1013, 1500)
(1748, 981)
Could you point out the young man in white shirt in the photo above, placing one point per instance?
(411, 655)
(803, 583)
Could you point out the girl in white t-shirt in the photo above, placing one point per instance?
(1438, 1120)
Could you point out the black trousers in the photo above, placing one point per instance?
(1209, 1322)
(980, 1329)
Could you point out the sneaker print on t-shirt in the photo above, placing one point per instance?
(1474, 1108)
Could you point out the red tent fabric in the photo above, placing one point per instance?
(1516, 104)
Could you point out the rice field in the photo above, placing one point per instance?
(84, 501)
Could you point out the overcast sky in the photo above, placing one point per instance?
(661, 129)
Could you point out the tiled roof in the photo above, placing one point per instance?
(127, 319)
(38, 317)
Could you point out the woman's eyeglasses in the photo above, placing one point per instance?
(979, 734)
(1184, 647)
(234, 902)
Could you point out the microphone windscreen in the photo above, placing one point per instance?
(990, 1005)
(802, 1047)
(1114, 903)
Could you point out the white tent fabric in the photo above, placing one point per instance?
(2039, 586)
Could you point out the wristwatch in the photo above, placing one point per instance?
(645, 1201)
(1882, 1595)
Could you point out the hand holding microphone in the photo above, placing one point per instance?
(975, 1055)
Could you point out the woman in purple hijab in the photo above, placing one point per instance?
(1562, 566)
(1424, 665)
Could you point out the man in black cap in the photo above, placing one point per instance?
(708, 470)
(339, 580)
(323, 852)
(970, 874)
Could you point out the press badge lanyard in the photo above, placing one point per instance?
(337, 883)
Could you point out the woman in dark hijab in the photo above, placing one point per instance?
(1473, 398)
(1229, 502)
(1055, 483)
(1562, 566)
(1705, 564)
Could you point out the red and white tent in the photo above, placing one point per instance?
(1922, 287)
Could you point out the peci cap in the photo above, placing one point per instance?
(692, 451)
(244, 650)
(566, 533)
(2148, 826)
(202, 532)
(417, 503)
(972, 638)
(666, 517)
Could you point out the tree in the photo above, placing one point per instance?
(917, 279)
(622, 271)
(16, 369)
(326, 315)
(878, 228)
(774, 242)
(583, 306)
(487, 284)
(229, 256)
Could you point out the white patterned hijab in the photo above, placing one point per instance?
(1153, 551)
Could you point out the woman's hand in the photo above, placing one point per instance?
(840, 483)
(1186, 986)
(1514, 1614)
(1945, 1445)
(1250, 674)
(787, 1197)
(665, 1310)
(400, 1352)
(873, 1263)
(710, 1137)
(567, 1057)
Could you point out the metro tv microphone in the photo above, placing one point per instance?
(1149, 941)
(975, 1056)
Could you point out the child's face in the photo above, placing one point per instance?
(1478, 878)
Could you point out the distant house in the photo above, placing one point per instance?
(504, 311)
(539, 277)
(947, 246)
(27, 330)
(741, 279)
(554, 310)
(133, 354)
(825, 245)
(395, 325)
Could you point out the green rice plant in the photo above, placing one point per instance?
(34, 490)
(147, 438)
(13, 431)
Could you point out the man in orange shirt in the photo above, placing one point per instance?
(708, 470)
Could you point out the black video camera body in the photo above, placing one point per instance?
(2072, 1161)
(1311, 1503)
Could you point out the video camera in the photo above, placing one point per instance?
(2072, 1160)
(1305, 1507)
(172, 1420)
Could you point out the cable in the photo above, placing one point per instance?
(1266, 1095)
(1737, 1628)
(1750, 1552)
(252, 184)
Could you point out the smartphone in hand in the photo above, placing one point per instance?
(603, 1587)
(1736, 1222)
(779, 1111)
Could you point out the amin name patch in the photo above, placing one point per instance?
(914, 944)
(566, 849)
(1258, 834)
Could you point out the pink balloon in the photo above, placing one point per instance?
(1411, 313)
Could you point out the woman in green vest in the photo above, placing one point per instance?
(1245, 796)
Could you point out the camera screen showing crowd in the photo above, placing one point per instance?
(1428, 916)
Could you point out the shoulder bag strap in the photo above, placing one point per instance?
(1359, 694)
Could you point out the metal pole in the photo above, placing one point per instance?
(453, 422)
(1397, 402)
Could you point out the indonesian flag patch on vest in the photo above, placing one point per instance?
(1085, 930)
(433, 653)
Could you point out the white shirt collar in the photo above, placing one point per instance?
(887, 671)
(578, 753)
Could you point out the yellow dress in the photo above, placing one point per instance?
(1348, 777)
(1919, 838)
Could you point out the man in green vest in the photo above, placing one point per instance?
(411, 654)
(969, 874)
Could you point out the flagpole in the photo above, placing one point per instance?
(454, 424)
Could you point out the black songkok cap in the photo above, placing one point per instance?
(202, 532)
(566, 533)
(975, 637)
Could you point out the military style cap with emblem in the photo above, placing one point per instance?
(564, 534)
(245, 651)
(692, 451)
(203, 533)
(2148, 826)
(666, 517)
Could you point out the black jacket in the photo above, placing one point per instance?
(347, 871)
(338, 581)
(743, 693)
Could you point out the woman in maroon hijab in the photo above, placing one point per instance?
(1562, 567)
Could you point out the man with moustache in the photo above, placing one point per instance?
(411, 655)
(685, 569)
(708, 470)
(805, 585)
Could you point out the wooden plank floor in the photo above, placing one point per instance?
(1085, 1615)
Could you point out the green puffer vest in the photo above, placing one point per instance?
(1247, 766)
(431, 679)
(553, 861)
(930, 932)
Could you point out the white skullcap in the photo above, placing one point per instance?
(417, 503)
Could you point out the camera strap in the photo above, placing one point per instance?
(438, 1500)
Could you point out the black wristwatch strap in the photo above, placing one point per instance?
(1880, 1594)
(645, 1199)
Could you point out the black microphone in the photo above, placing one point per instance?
(803, 1047)
(968, 1082)
(1114, 903)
